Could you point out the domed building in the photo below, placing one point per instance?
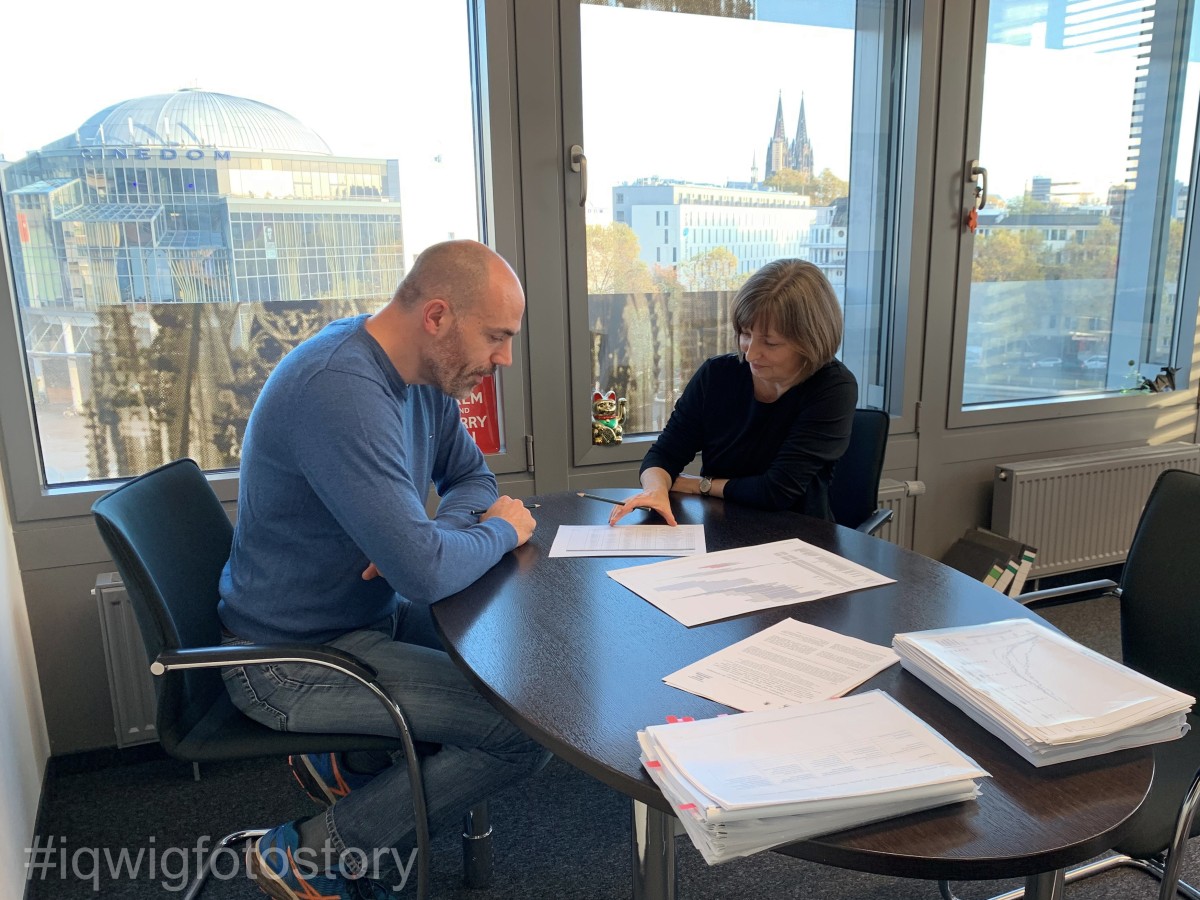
(197, 196)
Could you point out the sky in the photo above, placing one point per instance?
(379, 81)
(668, 95)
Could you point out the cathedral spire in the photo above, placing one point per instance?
(777, 148)
(800, 157)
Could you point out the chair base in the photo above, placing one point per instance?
(1152, 867)
(477, 851)
(234, 837)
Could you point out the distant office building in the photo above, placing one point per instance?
(198, 196)
(1039, 188)
(676, 222)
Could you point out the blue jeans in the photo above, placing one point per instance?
(481, 752)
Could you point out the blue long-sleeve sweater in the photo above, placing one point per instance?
(337, 459)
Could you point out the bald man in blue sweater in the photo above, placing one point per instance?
(333, 546)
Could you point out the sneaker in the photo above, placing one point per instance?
(323, 778)
(271, 862)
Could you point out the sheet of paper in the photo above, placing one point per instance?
(733, 582)
(628, 540)
(791, 662)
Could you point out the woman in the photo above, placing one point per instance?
(771, 420)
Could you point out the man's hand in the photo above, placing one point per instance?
(370, 572)
(515, 514)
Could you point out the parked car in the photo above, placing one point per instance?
(1048, 362)
(1094, 362)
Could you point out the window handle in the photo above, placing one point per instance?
(981, 191)
(579, 164)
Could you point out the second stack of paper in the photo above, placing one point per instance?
(1044, 695)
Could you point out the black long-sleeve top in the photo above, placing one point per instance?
(776, 455)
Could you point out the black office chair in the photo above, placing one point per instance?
(854, 491)
(1160, 630)
(170, 538)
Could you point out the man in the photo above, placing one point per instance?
(349, 432)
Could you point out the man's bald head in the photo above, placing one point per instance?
(459, 272)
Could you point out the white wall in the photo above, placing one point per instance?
(24, 746)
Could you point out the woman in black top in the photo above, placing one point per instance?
(770, 420)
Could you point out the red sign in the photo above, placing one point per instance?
(23, 228)
(478, 413)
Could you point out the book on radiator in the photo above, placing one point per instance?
(998, 561)
(1020, 554)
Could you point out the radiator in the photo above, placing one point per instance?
(1080, 512)
(129, 680)
(899, 497)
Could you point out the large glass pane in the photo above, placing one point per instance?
(726, 146)
(1088, 122)
(168, 245)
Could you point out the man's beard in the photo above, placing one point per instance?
(450, 371)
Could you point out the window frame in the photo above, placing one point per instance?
(1156, 162)
(894, 265)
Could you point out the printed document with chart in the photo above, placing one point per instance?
(698, 589)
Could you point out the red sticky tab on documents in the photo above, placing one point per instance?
(652, 764)
(687, 805)
(671, 720)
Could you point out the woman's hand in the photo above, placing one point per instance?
(656, 499)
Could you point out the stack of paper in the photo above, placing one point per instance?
(751, 781)
(1044, 695)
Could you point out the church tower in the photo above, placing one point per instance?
(801, 156)
(777, 149)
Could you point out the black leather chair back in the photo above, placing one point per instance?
(1160, 585)
(170, 538)
(854, 491)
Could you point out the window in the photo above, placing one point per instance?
(1081, 259)
(770, 177)
(166, 249)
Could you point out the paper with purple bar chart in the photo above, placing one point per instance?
(698, 589)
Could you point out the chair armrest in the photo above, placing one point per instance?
(330, 658)
(876, 520)
(262, 654)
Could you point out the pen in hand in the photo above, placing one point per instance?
(480, 512)
(588, 496)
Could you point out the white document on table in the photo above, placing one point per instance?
(628, 540)
(791, 662)
(730, 583)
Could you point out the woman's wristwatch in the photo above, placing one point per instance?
(705, 486)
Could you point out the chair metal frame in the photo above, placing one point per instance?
(1165, 866)
(476, 836)
(1167, 863)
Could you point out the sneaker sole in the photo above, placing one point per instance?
(311, 782)
(266, 880)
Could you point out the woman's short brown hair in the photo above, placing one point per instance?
(794, 299)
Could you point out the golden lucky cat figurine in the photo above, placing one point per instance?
(608, 414)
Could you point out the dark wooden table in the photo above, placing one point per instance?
(577, 661)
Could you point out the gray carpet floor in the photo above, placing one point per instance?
(561, 835)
